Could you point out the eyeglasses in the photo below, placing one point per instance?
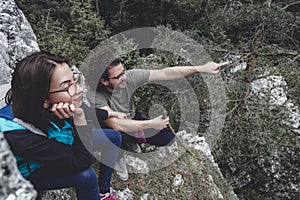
(119, 76)
(71, 89)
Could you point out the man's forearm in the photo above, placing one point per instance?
(128, 125)
(171, 73)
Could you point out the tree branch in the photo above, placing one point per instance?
(97, 8)
(283, 53)
(246, 54)
(292, 4)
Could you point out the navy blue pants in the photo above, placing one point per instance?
(86, 183)
(109, 145)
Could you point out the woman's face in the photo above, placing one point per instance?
(61, 79)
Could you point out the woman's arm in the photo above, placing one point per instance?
(52, 153)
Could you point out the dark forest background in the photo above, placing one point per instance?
(258, 153)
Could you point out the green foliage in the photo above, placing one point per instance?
(199, 178)
(122, 15)
(261, 161)
(257, 152)
(289, 68)
(240, 22)
(69, 28)
(258, 148)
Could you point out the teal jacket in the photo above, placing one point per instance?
(31, 146)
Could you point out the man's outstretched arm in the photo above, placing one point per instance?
(171, 73)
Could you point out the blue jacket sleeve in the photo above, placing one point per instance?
(101, 114)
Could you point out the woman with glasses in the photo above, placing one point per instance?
(51, 135)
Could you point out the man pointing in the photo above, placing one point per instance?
(115, 93)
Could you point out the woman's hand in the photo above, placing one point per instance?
(159, 123)
(79, 117)
(66, 110)
(63, 110)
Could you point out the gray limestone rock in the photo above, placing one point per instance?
(16, 38)
(3, 90)
(62, 194)
(16, 41)
(12, 185)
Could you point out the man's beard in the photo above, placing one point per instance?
(116, 87)
(110, 86)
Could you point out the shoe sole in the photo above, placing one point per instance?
(119, 177)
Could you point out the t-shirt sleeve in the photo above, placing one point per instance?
(137, 77)
(101, 100)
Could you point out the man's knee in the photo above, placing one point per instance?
(168, 140)
(163, 138)
(114, 136)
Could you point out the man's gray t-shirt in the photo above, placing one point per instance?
(121, 100)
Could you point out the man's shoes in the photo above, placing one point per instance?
(108, 196)
(134, 147)
(121, 169)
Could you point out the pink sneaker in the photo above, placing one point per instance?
(108, 196)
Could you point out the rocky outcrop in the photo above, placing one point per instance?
(3, 89)
(12, 185)
(16, 38)
(273, 90)
(16, 41)
(180, 168)
(187, 170)
(271, 101)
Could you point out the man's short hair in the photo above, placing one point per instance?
(97, 64)
(105, 74)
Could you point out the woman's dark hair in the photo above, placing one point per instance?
(30, 86)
